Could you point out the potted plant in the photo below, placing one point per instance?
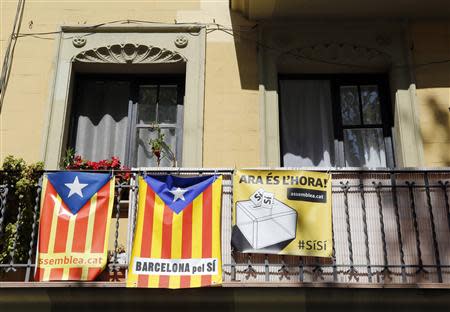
(159, 147)
(156, 144)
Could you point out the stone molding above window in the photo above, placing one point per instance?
(129, 53)
(368, 58)
(128, 46)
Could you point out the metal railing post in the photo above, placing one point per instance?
(385, 272)
(33, 230)
(433, 228)
(3, 195)
(366, 234)
(352, 272)
(399, 229)
(416, 226)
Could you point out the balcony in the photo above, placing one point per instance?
(391, 228)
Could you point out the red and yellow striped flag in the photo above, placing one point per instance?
(177, 237)
(74, 226)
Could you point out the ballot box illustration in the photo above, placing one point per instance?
(264, 220)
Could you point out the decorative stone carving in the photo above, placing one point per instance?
(339, 53)
(181, 42)
(128, 53)
(79, 42)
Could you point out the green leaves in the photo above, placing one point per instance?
(22, 182)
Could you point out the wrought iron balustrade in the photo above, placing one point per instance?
(389, 227)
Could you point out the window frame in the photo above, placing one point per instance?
(337, 80)
(162, 37)
(135, 81)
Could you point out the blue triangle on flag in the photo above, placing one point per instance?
(76, 188)
(177, 192)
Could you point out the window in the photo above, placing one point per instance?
(138, 52)
(118, 115)
(335, 121)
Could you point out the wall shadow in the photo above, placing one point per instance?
(436, 131)
(245, 35)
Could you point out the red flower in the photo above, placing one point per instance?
(115, 162)
(78, 163)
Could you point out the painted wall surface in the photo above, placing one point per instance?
(431, 48)
(230, 108)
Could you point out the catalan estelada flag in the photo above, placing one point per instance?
(74, 225)
(177, 237)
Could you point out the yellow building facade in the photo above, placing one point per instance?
(357, 88)
(236, 53)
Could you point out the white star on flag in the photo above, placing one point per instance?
(75, 187)
(178, 193)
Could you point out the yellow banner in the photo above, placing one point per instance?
(282, 212)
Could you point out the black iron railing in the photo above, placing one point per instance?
(389, 227)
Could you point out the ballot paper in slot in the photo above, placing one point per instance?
(265, 221)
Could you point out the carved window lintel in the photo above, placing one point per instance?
(337, 53)
(128, 53)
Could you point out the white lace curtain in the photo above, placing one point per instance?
(101, 119)
(307, 138)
